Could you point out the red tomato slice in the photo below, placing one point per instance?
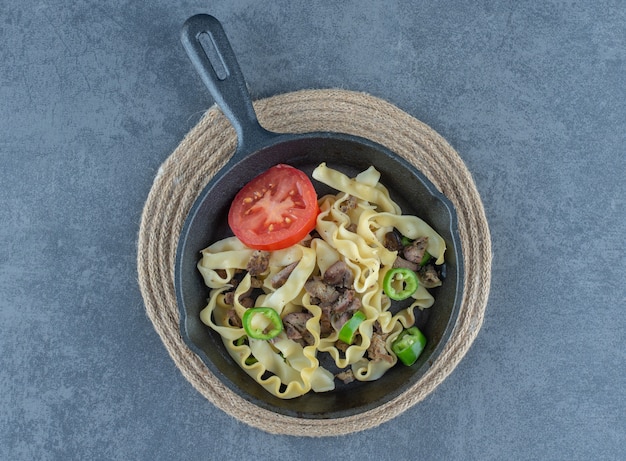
(275, 210)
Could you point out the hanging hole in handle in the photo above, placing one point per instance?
(215, 58)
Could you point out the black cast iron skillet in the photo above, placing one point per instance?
(257, 150)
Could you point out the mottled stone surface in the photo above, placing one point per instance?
(95, 95)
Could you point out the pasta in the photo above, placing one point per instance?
(351, 229)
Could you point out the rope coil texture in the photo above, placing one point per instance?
(207, 147)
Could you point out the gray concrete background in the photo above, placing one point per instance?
(95, 95)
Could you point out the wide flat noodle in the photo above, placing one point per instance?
(351, 225)
(362, 189)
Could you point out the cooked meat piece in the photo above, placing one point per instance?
(246, 302)
(341, 346)
(339, 274)
(279, 279)
(247, 293)
(403, 263)
(378, 330)
(415, 251)
(348, 204)
(295, 327)
(345, 376)
(326, 327)
(377, 349)
(392, 241)
(238, 274)
(256, 282)
(323, 292)
(343, 310)
(295, 323)
(354, 306)
(233, 318)
(346, 302)
(428, 276)
(339, 319)
(259, 261)
(244, 298)
(229, 297)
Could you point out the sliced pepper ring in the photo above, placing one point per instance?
(349, 329)
(400, 276)
(272, 330)
(408, 346)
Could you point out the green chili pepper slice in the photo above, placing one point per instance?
(409, 345)
(403, 277)
(275, 327)
(349, 329)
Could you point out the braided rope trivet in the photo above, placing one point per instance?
(207, 147)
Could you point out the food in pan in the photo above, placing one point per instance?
(330, 298)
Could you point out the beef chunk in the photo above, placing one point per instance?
(346, 302)
(348, 204)
(344, 308)
(346, 376)
(339, 274)
(415, 251)
(428, 276)
(229, 298)
(256, 282)
(295, 327)
(326, 327)
(233, 318)
(279, 279)
(393, 241)
(259, 262)
(246, 302)
(379, 330)
(338, 319)
(322, 292)
(377, 349)
(405, 264)
(245, 299)
(341, 346)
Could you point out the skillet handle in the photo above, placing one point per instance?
(210, 52)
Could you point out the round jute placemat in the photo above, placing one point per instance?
(208, 146)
